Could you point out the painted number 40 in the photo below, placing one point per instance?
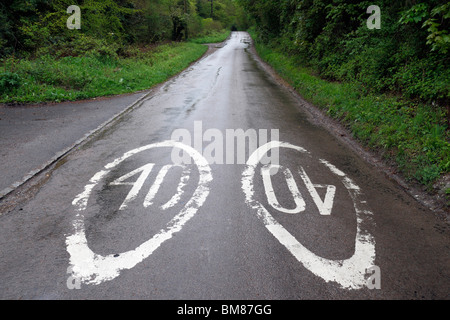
(143, 173)
(324, 206)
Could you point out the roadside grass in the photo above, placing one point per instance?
(412, 134)
(212, 37)
(49, 79)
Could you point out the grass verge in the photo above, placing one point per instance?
(212, 37)
(412, 134)
(93, 75)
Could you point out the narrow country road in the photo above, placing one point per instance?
(220, 186)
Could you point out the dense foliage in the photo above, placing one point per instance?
(37, 46)
(90, 76)
(389, 86)
(409, 54)
(120, 45)
(36, 27)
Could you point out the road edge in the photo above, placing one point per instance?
(336, 128)
(146, 95)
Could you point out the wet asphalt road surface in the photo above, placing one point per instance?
(123, 217)
(33, 135)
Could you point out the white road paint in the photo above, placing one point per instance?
(180, 189)
(80, 201)
(326, 205)
(348, 273)
(91, 268)
(136, 185)
(270, 193)
(148, 201)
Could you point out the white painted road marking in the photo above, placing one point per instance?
(180, 189)
(156, 185)
(92, 268)
(136, 185)
(349, 273)
(326, 205)
(271, 197)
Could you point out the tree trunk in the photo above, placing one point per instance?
(212, 8)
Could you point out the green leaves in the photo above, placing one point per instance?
(415, 14)
(30, 27)
(435, 21)
(88, 76)
(413, 134)
(9, 81)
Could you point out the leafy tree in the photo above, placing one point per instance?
(36, 27)
(410, 53)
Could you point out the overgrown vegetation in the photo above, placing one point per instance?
(213, 37)
(33, 27)
(93, 75)
(390, 86)
(410, 54)
(122, 46)
(412, 134)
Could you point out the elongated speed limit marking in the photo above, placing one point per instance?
(89, 267)
(349, 273)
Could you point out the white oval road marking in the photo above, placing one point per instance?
(348, 273)
(92, 268)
